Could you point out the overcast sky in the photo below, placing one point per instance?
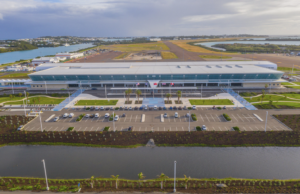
(103, 18)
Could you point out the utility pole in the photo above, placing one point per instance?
(266, 122)
(189, 121)
(41, 122)
(174, 177)
(45, 174)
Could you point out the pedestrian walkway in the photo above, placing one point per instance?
(67, 100)
(151, 102)
(244, 102)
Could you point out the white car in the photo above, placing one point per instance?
(194, 108)
(187, 114)
(176, 115)
(130, 108)
(165, 115)
(204, 128)
(116, 118)
(56, 119)
(87, 115)
(102, 108)
(145, 108)
(96, 108)
(65, 115)
(155, 107)
(71, 115)
(106, 115)
(97, 115)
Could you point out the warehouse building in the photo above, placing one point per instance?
(157, 75)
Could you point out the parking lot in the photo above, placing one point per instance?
(212, 119)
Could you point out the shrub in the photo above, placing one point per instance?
(194, 117)
(219, 108)
(236, 128)
(198, 128)
(190, 108)
(80, 117)
(227, 117)
(117, 108)
(70, 128)
(106, 128)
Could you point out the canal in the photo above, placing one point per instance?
(197, 162)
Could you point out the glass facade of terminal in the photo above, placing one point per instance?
(154, 77)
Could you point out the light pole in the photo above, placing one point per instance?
(174, 177)
(25, 98)
(45, 86)
(266, 122)
(12, 87)
(189, 121)
(45, 174)
(24, 107)
(69, 97)
(105, 91)
(114, 121)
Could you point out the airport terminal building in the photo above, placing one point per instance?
(156, 75)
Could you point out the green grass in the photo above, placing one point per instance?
(16, 75)
(295, 87)
(291, 104)
(211, 102)
(298, 83)
(43, 100)
(285, 69)
(137, 47)
(168, 55)
(274, 98)
(214, 57)
(286, 84)
(121, 56)
(96, 102)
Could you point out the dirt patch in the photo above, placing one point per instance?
(292, 121)
(139, 102)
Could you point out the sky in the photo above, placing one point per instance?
(111, 18)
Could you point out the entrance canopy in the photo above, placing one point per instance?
(153, 83)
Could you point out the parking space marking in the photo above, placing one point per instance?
(220, 128)
(212, 117)
(235, 118)
(140, 129)
(207, 118)
(253, 118)
(176, 128)
(146, 129)
(130, 118)
(240, 117)
(61, 129)
(214, 128)
(97, 129)
(218, 118)
(55, 128)
(182, 129)
(226, 128)
(245, 129)
(201, 118)
(251, 128)
(50, 128)
(246, 117)
(256, 128)
(79, 128)
(85, 128)
(164, 129)
(135, 118)
(91, 128)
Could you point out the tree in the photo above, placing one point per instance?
(266, 86)
(92, 181)
(262, 95)
(127, 94)
(117, 178)
(39, 99)
(178, 95)
(168, 95)
(162, 176)
(34, 101)
(20, 94)
(138, 93)
(10, 96)
(141, 176)
(186, 180)
(27, 95)
(270, 102)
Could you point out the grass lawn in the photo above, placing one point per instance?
(16, 75)
(121, 56)
(43, 100)
(298, 83)
(274, 98)
(285, 69)
(96, 102)
(137, 47)
(286, 84)
(214, 57)
(291, 104)
(211, 102)
(4, 99)
(295, 87)
(168, 55)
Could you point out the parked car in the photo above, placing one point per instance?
(96, 108)
(187, 114)
(92, 108)
(165, 108)
(92, 115)
(171, 108)
(175, 108)
(155, 107)
(194, 107)
(180, 108)
(121, 108)
(56, 119)
(165, 115)
(123, 115)
(160, 108)
(224, 107)
(102, 108)
(130, 108)
(87, 115)
(126, 108)
(129, 128)
(107, 108)
(146, 108)
(111, 108)
(116, 118)
(136, 108)
(141, 108)
(20, 127)
(176, 115)
(97, 115)
(65, 115)
(184, 108)
(71, 115)
(106, 115)
(204, 128)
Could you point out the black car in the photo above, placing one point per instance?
(175, 108)
(92, 108)
(121, 108)
(136, 108)
(184, 108)
(129, 128)
(123, 115)
(150, 108)
(107, 108)
(160, 108)
(92, 115)
(180, 108)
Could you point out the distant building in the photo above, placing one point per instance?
(154, 39)
(38, 61)
(69, 55)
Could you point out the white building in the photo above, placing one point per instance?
(38, 61)
(155, 39)
(69, 55)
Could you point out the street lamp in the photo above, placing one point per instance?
(174, 177)
(45, 86)
(189, 121)
(266, 122)
(45, 174)
(41, 122)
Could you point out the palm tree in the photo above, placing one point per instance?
(10, 96)
(138, 93)
(162, 176)
(27, 95)
(20, 94)
(92, 181)
(117, 178)
(141, 176)
(186, 180)
(126, 94)
(178, 95)
(129, 92)
(168, 95)
(262, 95)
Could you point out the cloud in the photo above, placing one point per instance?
(32, 18)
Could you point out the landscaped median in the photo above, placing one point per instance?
(162, 183)
(227, 117)
(80, 117)
(96, 103)
(211, 102)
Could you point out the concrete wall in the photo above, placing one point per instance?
(260, 85)
(49, 86)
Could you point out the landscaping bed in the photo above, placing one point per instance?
(139, 102)
(186, 185)
(96, 102)
(9, 124)
(292, 121)
(211, 102)
(168, 102)
(128, 102)
(178, 102)
(276, 106)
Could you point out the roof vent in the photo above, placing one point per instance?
(219, 66)
(228, 66)
(178, 66)
(239, 66)
(208, 66)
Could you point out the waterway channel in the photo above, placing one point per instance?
(197, 162)
(42, 51)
